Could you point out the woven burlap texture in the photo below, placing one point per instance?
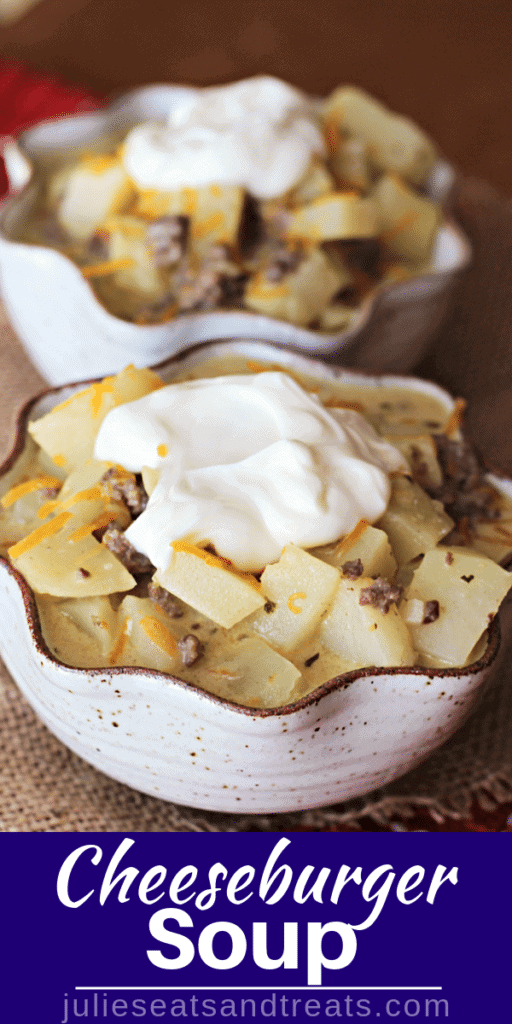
(46, 788)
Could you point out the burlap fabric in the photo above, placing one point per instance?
(45, 788)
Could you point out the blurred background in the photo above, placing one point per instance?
(447, 63)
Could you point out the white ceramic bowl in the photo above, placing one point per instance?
(174, 741)
(68, 333)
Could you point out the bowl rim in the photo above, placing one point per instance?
(302, 337)
(339, 682)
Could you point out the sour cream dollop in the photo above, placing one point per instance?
(248, 463)
(259, 133)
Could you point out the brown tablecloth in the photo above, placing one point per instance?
(44, 787)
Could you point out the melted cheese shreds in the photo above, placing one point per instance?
(36, 484)
(108, 267)
(159, 635)
(39, 535)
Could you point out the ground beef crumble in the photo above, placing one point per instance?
(381, 594)
(353, 569)
(431, 612)
(464, 493)
(218, 281)
(165, 600)
(126, 489)
(191, 649)
(167, 239)
(132, 560)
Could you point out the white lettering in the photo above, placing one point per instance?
(268, 879)
(316, 959)
(161, 934)
(65, 873)
(290, 957)
(129, 875)
(238, 945)
(438, 881)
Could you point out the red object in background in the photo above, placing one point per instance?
(26, 98)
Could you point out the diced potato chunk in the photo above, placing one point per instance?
(79, 631)
(469, 589)
(205, 583)
(367, 543)
(413, 522)
(364, 634)
(127, 242)
(66, 563)
(215, 211)
(98, 187)
(316, 182)
(337, 317)
(300, 296)
(67, 433)
(408, 221)
(338, 215)
(421, 454)
(145, 637)
(395, 143)
(253, 675)
(350, 163)
(301, 587)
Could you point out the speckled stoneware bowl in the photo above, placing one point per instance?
(174, 741)
(69, 334)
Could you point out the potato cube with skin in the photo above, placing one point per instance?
(366, 543)
(408, 222)
(469, 589)
(98, 187)
(300, 296)
(205, 582)
(394, 142)
(299, 588)
(337, 215)
(364, 634)
(253, 674)
(68, 433)
(413, 521)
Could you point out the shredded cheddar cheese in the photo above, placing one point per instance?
(211, 223)
(97, 524)
(98, 163)
(338, 403)
(263, 289)
(36, 484)
(108, 267)
(455, 418)
(98, 392)
(331, 132)
(39, 535)
(118, 649)
(159, 635)
(402, 224)
(189, 201)
(346, 543)
(216, 561)
(295, 608)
